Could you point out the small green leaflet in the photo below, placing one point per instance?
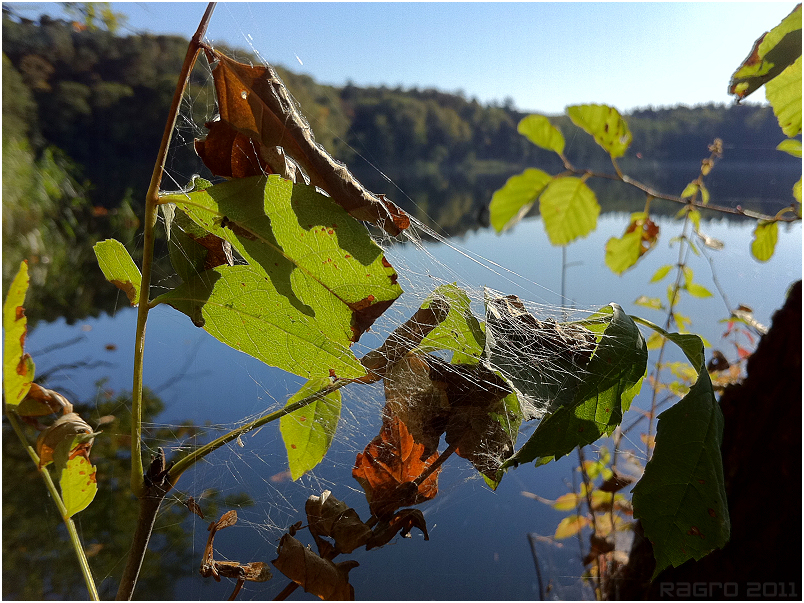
(513, 201)
(460, 332)
(539, 130)
(791, 146)
(661, 273)
(606, 126)
(569, 210)
(308, 431)
(18, 367)
(765, 237)
(119, 269)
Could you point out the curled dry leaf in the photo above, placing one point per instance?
(193, 506)
(330, 517)
(258, 115)
(323, 578)
(616, 482)
(67, 436)
(403, 522)
(40, 402)
(253, 572)
(388, 467)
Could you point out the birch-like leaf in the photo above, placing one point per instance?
(513, 201)
(539, 130)
(765, 237)
(606, 126)
(569, 210)
(784, 94)
(18, 367)
(119, 269)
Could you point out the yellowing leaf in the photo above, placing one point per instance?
(539, 130)
(605, 124)
(764, 244)
(513, 201)
(640, 236)
(784, 95)
(18, 368)
(689, 190)
(308, 431)
(119, 269)
(569, 526)
(567, 502)
(697, 290)
(649, 302)
(569, 210)
(791, 146)
(78, 484)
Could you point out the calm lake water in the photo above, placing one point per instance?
(478, 547)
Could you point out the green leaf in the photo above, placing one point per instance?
(460, 332)
(569, 210)
(661, 273)
(697, 290)
(605, 124)
(653, 303)
(513, 201)
(308, 432)
(314, 274)
(690, 190)
(18, 367)
(797, 193)
(791, 146)
(704, 194)
(681, 500)
(78, 484)
(539, 130)
(239, 306)
(640, 236)
(609, 383)
(764, 244)
(773, 52)
(784, 95)
(119, 269)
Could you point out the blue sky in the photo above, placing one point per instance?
(542, 55)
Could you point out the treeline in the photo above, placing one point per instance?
(86, 109)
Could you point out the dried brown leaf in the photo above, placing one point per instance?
(323, 578)
(330, 517)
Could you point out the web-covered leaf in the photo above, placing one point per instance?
(258, 116)
(513, 201)
(322, 577)
(606, 126)
(18, 367)
(608, 384)
(315, 280)
(772, 53)
(460, 332)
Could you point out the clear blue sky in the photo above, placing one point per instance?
(542, 55)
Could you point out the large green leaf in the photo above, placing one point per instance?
(460, 331)
(18, 368)
(569, 210)
(784, 94)
(764, 243)
(315, 279)
(606, 126)
(119, 269)
(608, 385)
(513, 201)
(308, 432)
(772, 53)
(681, 500)
(539, 130)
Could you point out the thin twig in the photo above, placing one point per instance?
(536, 563)
(436, 464)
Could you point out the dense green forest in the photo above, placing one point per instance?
(84, 109)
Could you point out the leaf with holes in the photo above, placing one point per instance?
(315, 280)
(119, 269)
(606, 126)
(539, 130)
(308, 432)
(569, 210)
(609, 382)
(513, 201)
(18, 367)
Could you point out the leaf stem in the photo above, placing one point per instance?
(436, 464)
(188, 461)
(75, 540)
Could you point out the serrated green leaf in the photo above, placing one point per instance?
(791, 146)
(771, 54)
(539, 130)
(308, 432)
(78, 484)
(605, 124)
(697, 290)
(661, 273)
(18, 367)
(681, 500)
(690, 190)
(460, 331)
(649, 302)
(609, 382)
(765, 237)
(119, 269)
(569, 210)
(513, 201)
(784, 94)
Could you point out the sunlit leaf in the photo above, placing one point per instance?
(773, 52)
(308, 432)
(784, 94)
(18, 367)
(704, 194)
(78, 484)
(689, 190)
(605, 124)
(797, 194)
(661, 273)
(539, 130)
(567, 502)
(514, 200)
(791, 146)
(569, 210)
(649, 302)
(697, 290)
(640, 236)
(765, 237)
(460, 332)
(119, 269)
(569, 526)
